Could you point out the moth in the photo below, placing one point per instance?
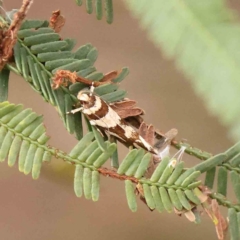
(101, 115)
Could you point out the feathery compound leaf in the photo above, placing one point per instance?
(40, 53)
(204, 40)
(22, 137)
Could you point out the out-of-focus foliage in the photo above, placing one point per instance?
(204, 39)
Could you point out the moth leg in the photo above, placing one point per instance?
(75, 110)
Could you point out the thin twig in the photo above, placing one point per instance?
(62, 77)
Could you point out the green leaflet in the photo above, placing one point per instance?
(222, 181)
(109, 11)
(70, 117)
(29, 159)
(93, 156)
(182, 198)
(54, 56)
(108, 6)
(98, 6)
(233, 224)
(210, 163)
(232, 151)
(37, 163)
(105, 155)
(4, 77)
(87, 183)
(56, 63)
(157, 199)
(165, 199)
(92, 55)
(83, 51)
(87, 151)
(192, 197)
(41, 38)
(148, 196)
(48, 47)
(14, 150)
(174, 199)
(122, 75)
(95, 76)
(95, 185)
(142, 168)
(82, 144)
(114, 157)
(135, 164)
(78, 180)
(27, 24)
(22, 155)
(235, 179)
(89, 6)
(131, 196)
(106, 88)
(6, 144)
(127, 161)
(99, 138)
(114, 96)
(160, 169)
(210, 176)
(32, 32)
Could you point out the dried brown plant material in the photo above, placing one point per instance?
(190, 216)
(125, 113)
(147, 132)
(62, 77)
(222, 225)
(57, 21)
(108, 77)
(211, 207)
(9, 37)
(126, 108)
(125, 104)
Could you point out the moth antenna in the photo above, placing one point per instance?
(6, 14)
(177, 157)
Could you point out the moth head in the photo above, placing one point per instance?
(86, 99)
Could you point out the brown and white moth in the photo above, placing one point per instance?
(101, 115)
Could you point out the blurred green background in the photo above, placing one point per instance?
(48, 208)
